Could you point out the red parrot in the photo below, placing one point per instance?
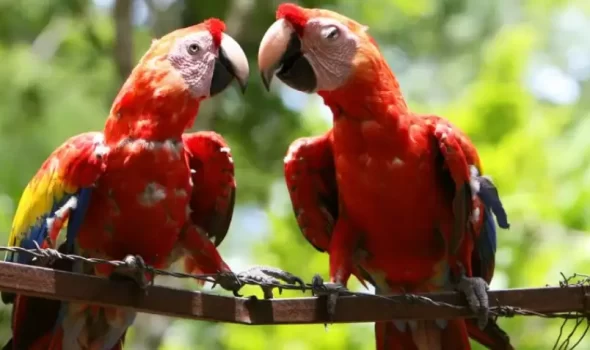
(395, 198)
(140, 190)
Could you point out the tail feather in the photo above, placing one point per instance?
(388, 337)
(492, 337)
(422, 335)
(33, 319)
(55, 342)
(41, 343)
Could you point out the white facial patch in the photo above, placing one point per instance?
(330, 48)
(193, 56)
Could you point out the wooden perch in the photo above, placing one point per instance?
(47, 283)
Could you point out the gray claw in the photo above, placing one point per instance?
(319, 287)
(317, 283)
(49, 257)
(330, 290)
(260, 273)
(134, 269)
(269, 278)
(475, 290)
(229, 281)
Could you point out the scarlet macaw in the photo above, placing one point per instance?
(141, 189)
(396, 199)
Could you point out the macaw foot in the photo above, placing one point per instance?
(134, 269)
(476, 292)
(228, 281)
(269, 278)
(47, 256)
(331, 290)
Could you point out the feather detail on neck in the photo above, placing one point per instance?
(153, 104)
(372, 91)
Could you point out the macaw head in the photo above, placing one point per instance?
(315, 50)
(161, 97)
(201, 60)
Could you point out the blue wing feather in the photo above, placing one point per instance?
(486, 243)
(485, 247)
(61, 189)
(37, 234)
(489, 196)
(77, 216)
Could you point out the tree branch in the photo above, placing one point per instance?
(123, 50)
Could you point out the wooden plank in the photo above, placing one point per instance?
(52, 284)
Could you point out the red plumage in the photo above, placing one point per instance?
(392, 196)
(294, 14)
(155, 192)
(216, 27)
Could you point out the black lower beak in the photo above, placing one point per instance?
(223, 74)
(294, 69)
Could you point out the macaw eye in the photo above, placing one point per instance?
(192, 48)
(330, 32)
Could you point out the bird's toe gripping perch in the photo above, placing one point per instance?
(268, 278)
(476, 292)
(134, 268)
(330, 290)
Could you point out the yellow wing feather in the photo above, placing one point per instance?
(38, 199)
(53, 192)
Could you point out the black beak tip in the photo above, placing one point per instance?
(266, 79)
(243, 87)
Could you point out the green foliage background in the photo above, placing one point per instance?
(512, 73)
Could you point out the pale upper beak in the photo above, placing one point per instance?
(231, 63)
(280, 53)
(273, 46)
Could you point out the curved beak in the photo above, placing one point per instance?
(280, 53)
(231, 63)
